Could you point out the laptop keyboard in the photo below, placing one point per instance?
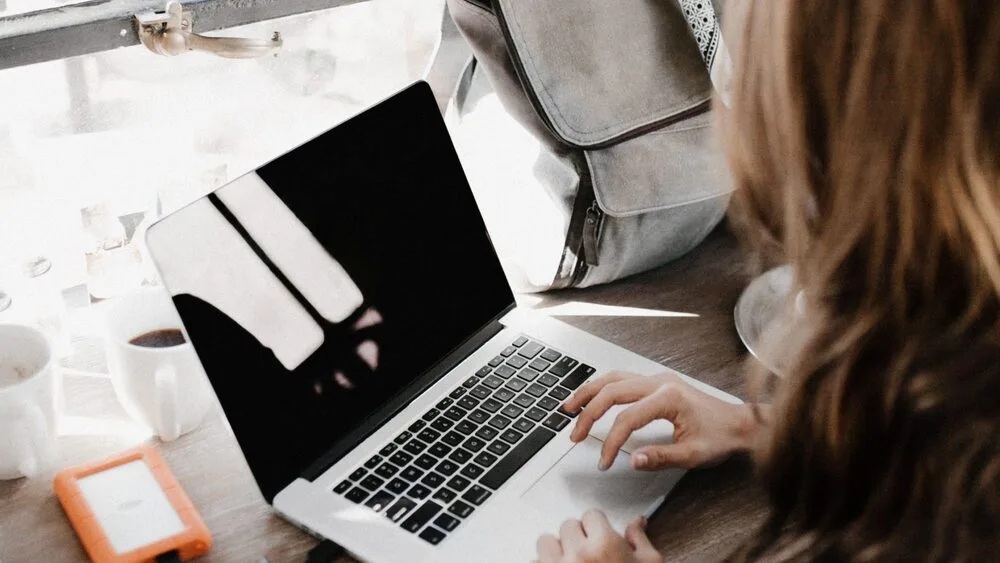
(434, 475)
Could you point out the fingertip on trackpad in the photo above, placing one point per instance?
(574, 485)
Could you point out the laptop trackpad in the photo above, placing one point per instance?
(573, 485)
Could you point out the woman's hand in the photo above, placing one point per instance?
(706, 430)
(592, 539)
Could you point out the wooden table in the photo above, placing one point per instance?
(706, 516)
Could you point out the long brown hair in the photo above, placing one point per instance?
(864, 138)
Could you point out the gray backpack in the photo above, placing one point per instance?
(618, 96)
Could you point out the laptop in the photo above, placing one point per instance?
(361, 337)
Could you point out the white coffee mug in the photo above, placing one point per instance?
(27, 401)
(164, 388)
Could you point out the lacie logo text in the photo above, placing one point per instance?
(129, 505)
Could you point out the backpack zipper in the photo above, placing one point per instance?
(591, 233)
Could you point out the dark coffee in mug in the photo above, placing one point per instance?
(162, 338)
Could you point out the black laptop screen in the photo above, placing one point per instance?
(318, 288)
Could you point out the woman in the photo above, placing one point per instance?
(864, 137)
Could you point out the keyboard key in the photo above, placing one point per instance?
(521, 341)
(508, 351)
(516, 384)
(440, 450)
(459, 483)
(432, 480)
(411, 473)
(457, 393)
(503, 395)
(402, 438)
(343, 486)
(517, 362)
(486, 433)
(432, 535)
(400, 508)
(431, 415)
(492, 382)
(474, 444)
(372, 482)
(373, 462)
(358, 473)
(486, 459)
(579, 375)
(556, 421)
(535, 390)
(472, 471)
(524, 425)
(397, 486)
(468, 403)
(445, 495)
(426, 461)
(380, 501)
(401, 458)
(472, 381)
(418, 492)
(530, 350)
(476, 495)
(480, 392)
(452, 439)
(490, 405)
(483, 372)
(503, 371)
(415, 446)
(499, 447)
(528, 374)
(524, 400)
(442, 424)
(446, 468)
(516, 458)
(511, 436)
(428, 435)
(479, 416)
(499, 422)
(444, 403)
(548, 380)
(547, 403)
(460, 509)
(356, 495)
(536, 414)
(551, 355)
(417, 426)
(496, 361)
(563, 366)
(559, 393)
(466, 427)
(446, 522)
(460, 456)
(562, 410)
(386, 470)
(421, 516)
(456, 413)
(512, 411)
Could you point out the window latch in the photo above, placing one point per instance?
(169, 33)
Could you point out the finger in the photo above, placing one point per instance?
(617, 393)
(663, 403)
(635, 535)
(595, 524)
(571, 536)
(654, 458)
(549, 549)
(584, 394)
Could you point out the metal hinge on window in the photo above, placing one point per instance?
(169, 33)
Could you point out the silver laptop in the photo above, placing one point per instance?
(363, 341)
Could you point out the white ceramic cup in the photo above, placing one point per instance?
(27, 401)
(165, 389)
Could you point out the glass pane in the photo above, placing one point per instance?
(14, 7)
(94, 148)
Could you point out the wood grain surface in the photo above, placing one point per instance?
(705, 517)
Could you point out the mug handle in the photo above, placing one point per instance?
(167, 406)
(29, 443)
